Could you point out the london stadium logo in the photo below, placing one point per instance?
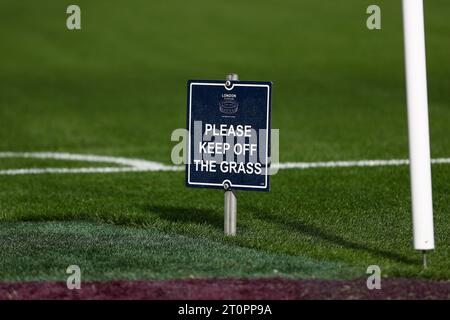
(228, 105)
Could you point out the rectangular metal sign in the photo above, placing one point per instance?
(229, 126)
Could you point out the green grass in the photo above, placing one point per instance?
(43, 251)
(118, 87)
(338, 216)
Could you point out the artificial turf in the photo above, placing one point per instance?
(118, 87)
(43, 251)
(336, 216)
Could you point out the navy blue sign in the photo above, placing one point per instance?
(229, 134)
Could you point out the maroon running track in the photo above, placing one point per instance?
(260, 289)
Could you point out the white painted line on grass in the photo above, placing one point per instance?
(139, 165)
(128, 164)
(13, 172)
(359, 163)
(134, 163)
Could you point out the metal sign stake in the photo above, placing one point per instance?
(230, 203)
(230, 210)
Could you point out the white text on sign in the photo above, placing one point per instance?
(227, 148)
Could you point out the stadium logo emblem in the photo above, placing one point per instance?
(228, 105)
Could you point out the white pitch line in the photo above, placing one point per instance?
(13, 172)
(359, 163)
(134, 163)
(139, 165)
(129, 164)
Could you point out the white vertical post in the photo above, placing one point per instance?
(419, 141)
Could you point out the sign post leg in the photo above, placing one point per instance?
(230, 213)
(230, 203)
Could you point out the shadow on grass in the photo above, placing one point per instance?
(187, 215)
(215, 219)
(332, 238)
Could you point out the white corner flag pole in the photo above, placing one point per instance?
(419, 140)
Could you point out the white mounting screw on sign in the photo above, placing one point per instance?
(418, 131)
